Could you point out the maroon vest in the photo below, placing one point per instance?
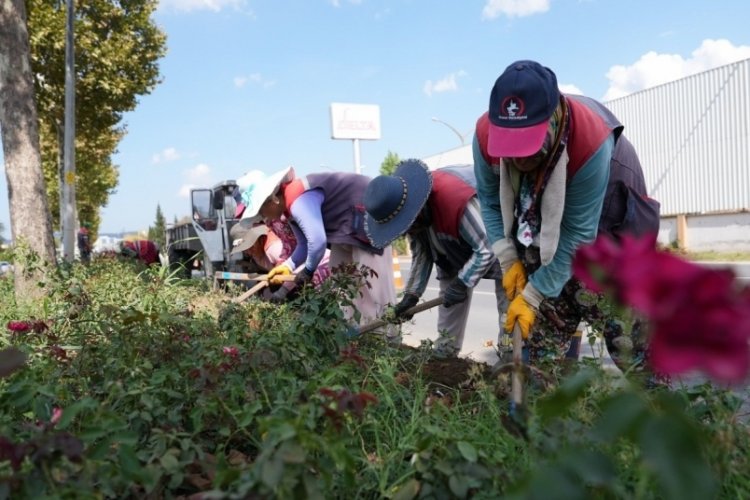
(447, 201)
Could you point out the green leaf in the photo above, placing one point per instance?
(467, 450)
(549, 481)
(169, 461)
(620, 416)
(594, 467)
(292, 453)
(671, 448)
(272, 472)
(408, 490)
(459, 485)
(20, 395)
(70, 412)
(129, 463)
(558, 403)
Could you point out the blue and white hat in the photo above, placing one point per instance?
(257, 187)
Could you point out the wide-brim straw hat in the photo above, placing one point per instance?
(260, 188)
(392, 202)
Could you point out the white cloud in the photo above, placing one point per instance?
(514, 8)
(337, 3)
(167, 155)
(568, 88)
(242, 80)
(198, 176)
(192, 5)
(448, 83)
(654, 69)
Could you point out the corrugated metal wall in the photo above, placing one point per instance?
(693, 138)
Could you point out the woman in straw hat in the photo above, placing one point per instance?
(323, 210)
(439, 212)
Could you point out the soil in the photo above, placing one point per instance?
(454, 373)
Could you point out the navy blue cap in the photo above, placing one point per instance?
(522, 101)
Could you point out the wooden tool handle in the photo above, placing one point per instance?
(414, 310)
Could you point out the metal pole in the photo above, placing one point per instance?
(357, 168)
(461, 137)
(67, 224)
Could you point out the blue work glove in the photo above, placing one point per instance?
(303, 277)
(408, 301)
(279, 296)
(456, 293)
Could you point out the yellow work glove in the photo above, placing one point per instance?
(280, 270)
(519, 311)
(514, 280)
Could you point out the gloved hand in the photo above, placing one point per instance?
(408, 301)
(279, 296)
(519, 311)
(514, 279)
(303, 277)
(456, 293)
(280, 270)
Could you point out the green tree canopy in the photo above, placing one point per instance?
(117, 48)
(389, 163)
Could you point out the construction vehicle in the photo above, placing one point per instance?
(203, 243)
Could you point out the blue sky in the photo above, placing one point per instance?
(248, 83)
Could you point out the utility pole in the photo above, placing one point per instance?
(68, 212)
(461, 137)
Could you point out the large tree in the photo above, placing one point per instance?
(29, 214)
(117, 48)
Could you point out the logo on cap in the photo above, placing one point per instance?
(512, 108)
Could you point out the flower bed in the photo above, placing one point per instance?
(127, 384)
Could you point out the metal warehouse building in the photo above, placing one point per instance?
(693, 139)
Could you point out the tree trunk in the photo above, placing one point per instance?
(30, 220)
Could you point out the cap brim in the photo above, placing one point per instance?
(249, 238)
(419, 184)
(504, 142)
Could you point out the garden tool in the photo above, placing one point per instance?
(516, 400)
(262, 283)
(516, 420)
(414, 310)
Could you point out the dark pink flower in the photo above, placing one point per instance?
(699, 319)
(231, 351)
(18, 326)
(59, 353)
(39, 326)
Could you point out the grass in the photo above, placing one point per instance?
(712, 256)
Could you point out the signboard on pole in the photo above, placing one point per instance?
(355, 121)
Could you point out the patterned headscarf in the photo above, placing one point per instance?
(533, 183)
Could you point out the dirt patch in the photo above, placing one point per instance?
(456, 373)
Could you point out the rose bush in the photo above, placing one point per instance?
(139, 385)
(699, 317)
